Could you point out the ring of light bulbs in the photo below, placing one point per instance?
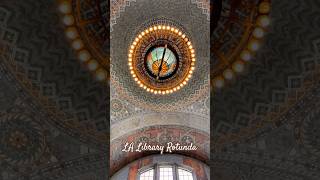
(253, 45)
(85, 57)
(139, 38)
(72, 33)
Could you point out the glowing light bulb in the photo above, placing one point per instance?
(71, 33)
(264, 7)
(228, 74)
(92, 65)
(246, 55)
(254, 45)
(100, 75)
(68, 20)
(219, 82)
(258, 32)
(77, 44)
(84, 56)
(65, 7)
(264, 21)
(238, 66)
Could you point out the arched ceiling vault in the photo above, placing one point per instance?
(146, 120)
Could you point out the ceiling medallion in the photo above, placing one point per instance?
(161, 59)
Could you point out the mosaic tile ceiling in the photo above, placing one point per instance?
(265, 120)
(123, 84)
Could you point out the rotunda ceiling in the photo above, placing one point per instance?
(178, 90)
(36, 56)
(280, 76)
(265, 69)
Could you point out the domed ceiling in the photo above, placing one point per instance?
(52, 109)
(148, 102)
(127, 27)
(47, 69)
(139, 97)
(260, 117)
(54, 86)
